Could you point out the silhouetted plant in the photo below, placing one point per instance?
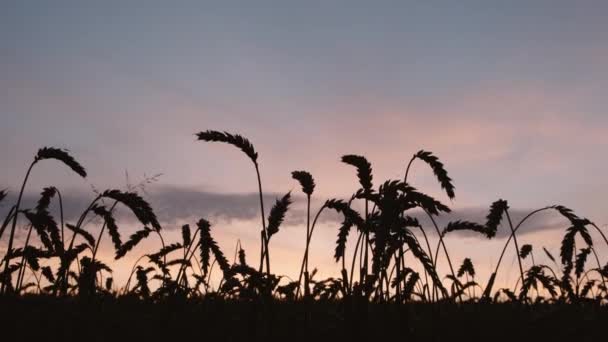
(387, 234)
(308, 186)
(244, 145)
(43, 154)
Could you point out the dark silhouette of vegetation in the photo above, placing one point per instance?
(393, 261)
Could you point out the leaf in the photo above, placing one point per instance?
(306, 181)
(488, 291)
(549, 255)
(364, 170)
(438, 170)
(277, 214)
(232, 139)
(63, 156)
(183, 262)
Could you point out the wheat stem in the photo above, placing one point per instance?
(14, 226)
(22, 263)
(308, 238)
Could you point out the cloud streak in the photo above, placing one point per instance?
(176, 205)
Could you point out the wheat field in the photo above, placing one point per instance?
(391, 277)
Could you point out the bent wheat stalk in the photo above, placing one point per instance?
(244, 145)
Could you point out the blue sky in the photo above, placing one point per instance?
(510, 95)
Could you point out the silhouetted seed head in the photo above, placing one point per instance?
(465, 225)
(306, 181)
(277, 214)
(45, 198)
(533, 275)
(438, 170)
(31, 255)
(342, 236)
(581, 259)
(142, 282)
(343, 208)
(494, 217)
(410, 284)
(364, 170)
(569, 214)
(232, 139)
(134, 239)
(110, 224)
(39, 224)
(207, 245)
(45, 226)
(204, 244)
(136, 204)
(525, 250)
(466, 267)
(242, 257)
(186, 236)
(69, 256)
(86, 235)
(567, 248)
(412, 243)
(61, 155)
(427, 202)
(155, 257)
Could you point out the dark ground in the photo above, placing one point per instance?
(51, 319)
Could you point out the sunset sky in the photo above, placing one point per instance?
(511, 95)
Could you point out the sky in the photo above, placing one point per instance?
(510, 96)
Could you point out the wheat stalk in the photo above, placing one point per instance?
(247, 147)
(308, 186)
